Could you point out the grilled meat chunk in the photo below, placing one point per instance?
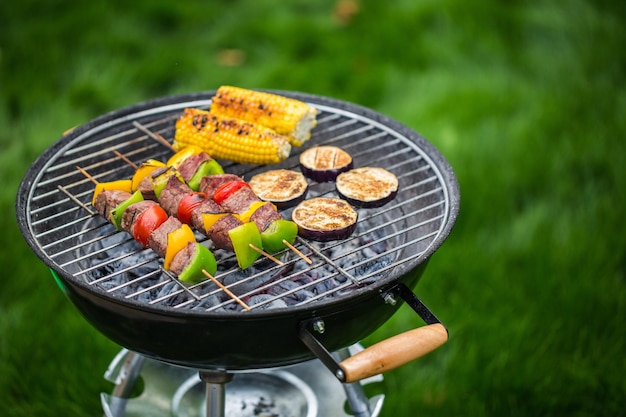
(158, 238)
(146, 186)
(264, 215)
(219, 232)
(171, 195)
(182, 258)
(190, 165)
(239, 201)
(133, 211)
(109, 199)
(210, 184)
(207, 206)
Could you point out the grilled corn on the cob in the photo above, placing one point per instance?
(287, 116)
(229, 138)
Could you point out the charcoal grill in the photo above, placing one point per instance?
(348, 291)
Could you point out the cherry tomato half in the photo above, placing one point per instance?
(187, 204)
(147, 222)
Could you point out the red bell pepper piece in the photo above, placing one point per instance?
(228, 189)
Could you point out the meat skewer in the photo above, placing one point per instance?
(180, 201)
(151, 226)
(226, 230)
(197, 208)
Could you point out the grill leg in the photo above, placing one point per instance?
(357, 400)
(125, 378)
(215, 392)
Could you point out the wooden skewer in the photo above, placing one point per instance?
(123, 158)
(87, 175)
(75, 200)
(153, 135)
(297, 252)
(267, 255)
(226, 290)
(211, 277)
(163, 141)
(261, 251)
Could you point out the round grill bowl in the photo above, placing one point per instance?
(172, 323)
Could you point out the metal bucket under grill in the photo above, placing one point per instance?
(122, 289)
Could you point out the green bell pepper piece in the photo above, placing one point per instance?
(161, 177)
(276, 232)
(242, 236)
(117, 212)
(206, 168)
(202, 259)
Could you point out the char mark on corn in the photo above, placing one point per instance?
(286, 116)
(230, 138)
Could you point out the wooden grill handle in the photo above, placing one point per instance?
(394, 352)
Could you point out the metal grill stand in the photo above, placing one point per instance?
(303, 390)
(215, 391)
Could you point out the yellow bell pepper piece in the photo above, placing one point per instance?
(180, 156)
(245, 216)
(144, 170)
(209, 219)
(121, 185)
(176, 241)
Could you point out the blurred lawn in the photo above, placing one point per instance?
(526, 100)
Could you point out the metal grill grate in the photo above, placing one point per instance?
(78, 241)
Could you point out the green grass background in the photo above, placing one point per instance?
(525, 99)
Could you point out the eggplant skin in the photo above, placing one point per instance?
(367, 187)
(370, 204)
(324, 219)
(324, 163)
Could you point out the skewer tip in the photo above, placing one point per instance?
(86, 174)
(267, 255)
(125, 159)
(298, 252)
(153, 135)
(226, 290)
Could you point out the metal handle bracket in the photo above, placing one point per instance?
(388, 354)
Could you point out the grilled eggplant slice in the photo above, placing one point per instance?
(324, 163)
(324, 219)
(367, 187)
(282, 187)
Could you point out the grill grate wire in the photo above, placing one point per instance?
(68, 229)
